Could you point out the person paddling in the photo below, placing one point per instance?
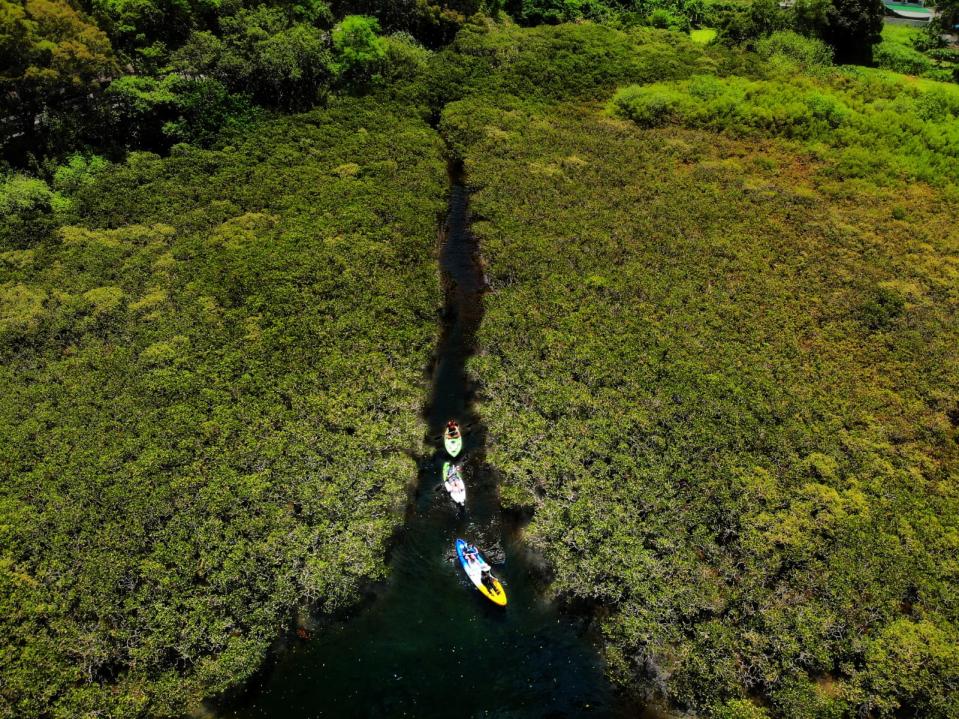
(486, 576)
(471, 553)
(452, 439)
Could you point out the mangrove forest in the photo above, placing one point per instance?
(479, 358)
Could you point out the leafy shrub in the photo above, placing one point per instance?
(882, 126)
(648, 108)
(703, 36)
(359, 50)
(263, 52)
(882, 309)
(668, 20)
(572, 60)
(900, 58)
(912, 664)
(741, 106)
(25, 205)
(535, 12)
(79, 171)
(736, 497)
(205, 108)
(740, 709)
(406, 59)
(744, 23)
(231, 318)
(944, 54)
(805, 53)
(154, 112)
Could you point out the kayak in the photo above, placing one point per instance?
(474, 569)
(453, 444)
(454, 483)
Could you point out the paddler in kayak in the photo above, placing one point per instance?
(480, 573)
(472, 555)
(454, 477)
(452, 439)
(454, 484)
(486, 576)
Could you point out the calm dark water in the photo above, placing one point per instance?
(429, 645)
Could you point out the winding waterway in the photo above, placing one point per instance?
(429, 645)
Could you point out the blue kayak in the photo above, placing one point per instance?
(474, 570)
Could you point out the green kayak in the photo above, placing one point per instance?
(453, 443)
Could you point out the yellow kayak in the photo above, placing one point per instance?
(473, 566)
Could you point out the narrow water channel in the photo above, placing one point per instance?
(430, 645)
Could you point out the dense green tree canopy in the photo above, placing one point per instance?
(360, 52)
(193, 368)
(48, 48)
(719, 374)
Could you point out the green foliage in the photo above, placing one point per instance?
(432, 22)
(703, 36)
(738, 105)
(880, 311)
(193, 371)
(203, 109)
(882, 126)
(47, 46)
(535, 12)
(740, 709)
(265, 52)
(906, 49)
(406, 60)
(854, 26)
(549, 62)
(78, 172)
(718, 360)
(358, 49)
(177, 107)
(21, 195)
(721, 380)
(912, 663)
(743, 23)
(139, 24)
(812, 17)
(850, 27)
(52, 61)
(795, 52)
(25, 205)
(668, 20)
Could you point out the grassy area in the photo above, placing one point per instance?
(720, 374)
(195, 368)
(902, 50)
(703, 36)
(861, 123)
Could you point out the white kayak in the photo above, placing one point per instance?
(454, 483)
